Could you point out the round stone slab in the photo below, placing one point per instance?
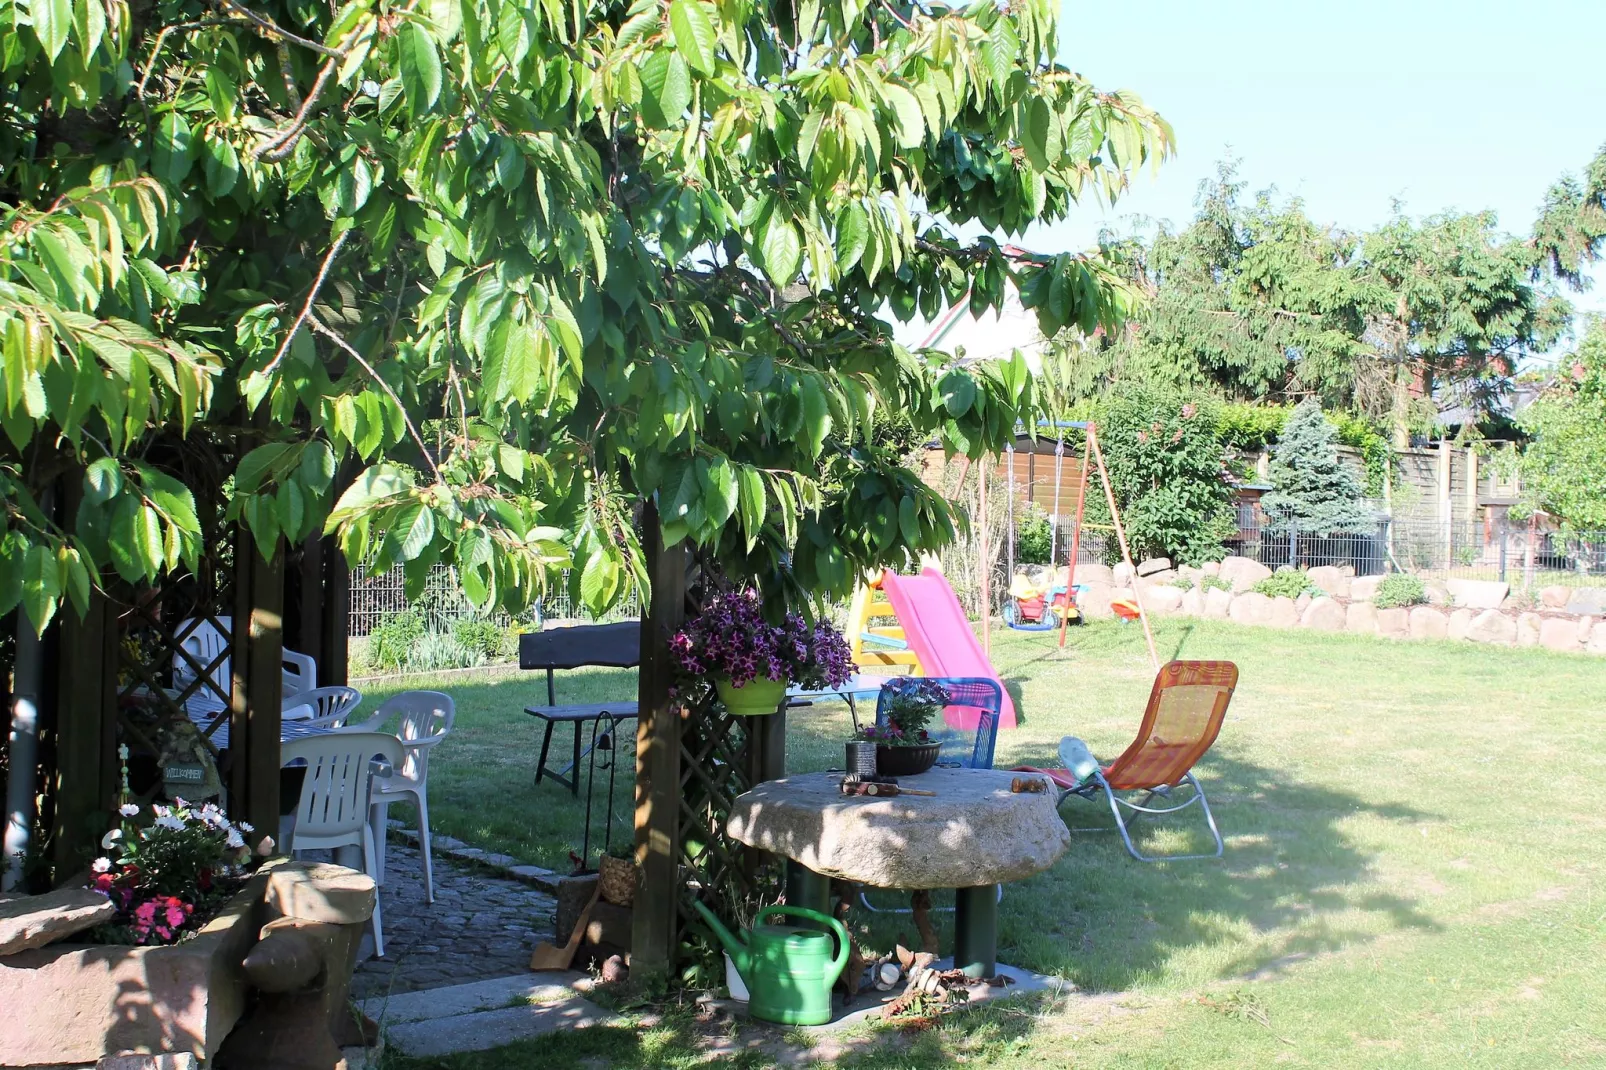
(973, 831)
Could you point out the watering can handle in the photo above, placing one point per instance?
(843, 946)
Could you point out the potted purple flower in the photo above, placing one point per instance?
(750, 660)
(903, 745)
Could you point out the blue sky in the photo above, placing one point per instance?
(1464, 104)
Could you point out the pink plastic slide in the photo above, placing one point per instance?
(940, 635)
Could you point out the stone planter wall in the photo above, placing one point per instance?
(74, 1003)
(1478, 611)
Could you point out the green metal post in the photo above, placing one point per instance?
(976, 930)
(806, 888)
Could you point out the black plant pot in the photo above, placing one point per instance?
(906, 761)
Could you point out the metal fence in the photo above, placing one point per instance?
(1519, 555)
(373, 598)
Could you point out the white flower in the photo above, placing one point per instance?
(246, 826)
(159, 810)
(101, 865)
(111, 839)
(180, 803)
(168, 821)
(235, 839)
(128, 809)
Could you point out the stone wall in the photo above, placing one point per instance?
(1571, 619)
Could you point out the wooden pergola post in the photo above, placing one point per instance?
(256, 662)
(84, 781)
(655, 915)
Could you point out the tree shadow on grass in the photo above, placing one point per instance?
(1294, 882)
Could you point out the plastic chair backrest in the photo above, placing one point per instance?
(425, 719)
(333, 808)
(1186, 707)
(204, 643)
(330, 706)
(970, 721)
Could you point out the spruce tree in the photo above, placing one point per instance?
(1315, 493)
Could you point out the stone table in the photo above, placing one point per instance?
(972, 836)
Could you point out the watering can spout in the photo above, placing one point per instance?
(733, 943)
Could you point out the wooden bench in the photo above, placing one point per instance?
(609, 645)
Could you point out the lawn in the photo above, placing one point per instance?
(1413, 875)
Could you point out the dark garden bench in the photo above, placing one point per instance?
(611, 645)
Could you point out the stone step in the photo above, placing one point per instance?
(485, 1014)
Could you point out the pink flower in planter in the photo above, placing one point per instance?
(177, 912)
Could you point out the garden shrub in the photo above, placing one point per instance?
(1034, 536)
(1286, 583)
(486, 636)
(434, 651)
(1165, 458)
(1214, 583)
(1400, 589)
(1183, 583)
(392, 639)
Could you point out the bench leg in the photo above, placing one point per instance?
(546, 745)
(574, 766)
(976, 930)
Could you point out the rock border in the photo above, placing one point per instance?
(502, 865)
(1477, 611)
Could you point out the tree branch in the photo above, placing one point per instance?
(161, 39)
(268, 26)
(350, 351)
(282, 144)
(312, 295)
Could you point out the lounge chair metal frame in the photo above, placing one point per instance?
(1155, 765)
(1090, 789)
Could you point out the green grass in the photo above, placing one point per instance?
(1413, 876)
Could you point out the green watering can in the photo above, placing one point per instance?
(788, 970)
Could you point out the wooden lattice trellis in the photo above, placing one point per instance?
(117, 673)
(691, 765)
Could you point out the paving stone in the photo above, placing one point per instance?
(494, 1029)
(481, 926)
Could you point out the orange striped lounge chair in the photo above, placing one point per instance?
(1186, 707)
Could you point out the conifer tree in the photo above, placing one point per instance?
(1316, 493)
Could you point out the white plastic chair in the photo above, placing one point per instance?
(425, 719)
(336, 796)
(328, 707)
(205, 643)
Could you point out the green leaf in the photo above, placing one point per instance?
(372, 486)
(221, 166)
(816, 415)
(317, 466)
(957, 392)
(666, 82)
(852, 235)
(1035, 133)
(750, 490)
(414, 529)
(76, 575)
(910, 127)
(909, 521)
(783, 249)
(723, 497)
(694, 34)
(103, 481)
(41, 585)
(599, 580)
(420, 65)
(170, 151)
(256, 467)
(52, 21)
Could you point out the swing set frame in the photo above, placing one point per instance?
(1092, 456)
